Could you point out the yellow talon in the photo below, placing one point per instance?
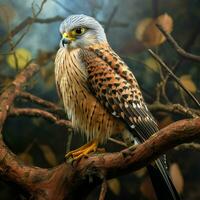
(83, 150)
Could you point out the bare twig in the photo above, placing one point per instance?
(176, 46)
(53, 107)
(34, 112)
(191, 146)
(107, 25)
(39, 10)
(104, 187)
(157, 58)
(117, 142)
(69, 139)
(29, 21)
(187, 46)
(174, 108)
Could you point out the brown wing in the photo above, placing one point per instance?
(116, 88)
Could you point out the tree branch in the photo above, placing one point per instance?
(104, 188)
(192, 146)
(34, 112)
(125, 161)
(174, 108)
(176, 46)
(65, 180)
(8, 96)
(157, 58)
(35, 99)
(29, 21)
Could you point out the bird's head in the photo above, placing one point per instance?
(81, 31)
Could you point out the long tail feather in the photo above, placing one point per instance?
(163, 186)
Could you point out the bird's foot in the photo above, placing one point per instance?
(83, 150)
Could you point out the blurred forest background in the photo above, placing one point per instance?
(131, 31)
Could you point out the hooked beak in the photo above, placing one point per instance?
(65, 41)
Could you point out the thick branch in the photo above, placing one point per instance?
(8, 96)
(128, 160)
(65, 180)
(68, 178)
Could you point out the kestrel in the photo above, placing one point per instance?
(101, 95)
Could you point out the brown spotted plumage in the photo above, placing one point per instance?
(87, 114)
(117, 89)
(101, 95)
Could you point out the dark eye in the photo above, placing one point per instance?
(78, 30)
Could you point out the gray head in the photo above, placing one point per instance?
(80, 31)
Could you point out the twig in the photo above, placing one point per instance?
(104, 188)
(21, 37)
(35, 112)
(29, 21)
(117, 142)
(69, 139)
(53, 107)
(176, 46)
(188, 45)
(107, 25)
(191, 146)
(39, 10)
(174, 108)
(156, 57)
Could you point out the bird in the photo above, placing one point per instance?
(101, 95)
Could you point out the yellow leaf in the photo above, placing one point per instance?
(141, 27)
(114, 186)
(187, 81)
(21, 58)
(166, 22)
(48, 154)
(148, 33)
(140, 172)
(26, 158)
(147, 190)
(152, 64)
(177, 177)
